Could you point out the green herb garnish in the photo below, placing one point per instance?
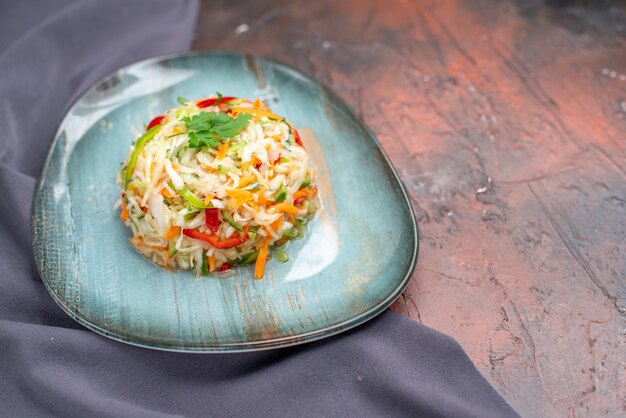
(210, 129)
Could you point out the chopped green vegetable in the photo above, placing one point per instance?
(182, 100)
(284, 160)
(235, 102)
(237, 147)
(191, 198)
(205, 265)
(249, 257)
(222, 169)
(172, 248)
(281, 194)
(141, 142)
(191, 215)
(306, 182)
(228, 218)
(282, 256)
(219, 98)
(139, 185)
(252, 236)
(299, 225)
(291, 233)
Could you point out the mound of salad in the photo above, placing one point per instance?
(215, 183)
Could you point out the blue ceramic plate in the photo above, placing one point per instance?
(357, 258)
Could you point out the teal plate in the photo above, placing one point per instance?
(357, 258)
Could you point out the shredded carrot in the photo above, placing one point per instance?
(208, 198)
(257, 102)
(253, 205)
(257, 112)
(313, 192)
(300, 193)
(124, 212)
(277, 223)
(211, 263)
(208, 169)
(285, 208)
(175, 166)
(261, 199)
(166, 193)
(176, 130)
(152, 166)
(253, 162)
(238, 198)
(222, 150)
(172, 232)
(245, 180)
(259, 267)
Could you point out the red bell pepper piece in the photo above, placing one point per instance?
(154, 122)
(296, 135)
(223, 267)
(212, 216)
(214, 241)
(211, 102)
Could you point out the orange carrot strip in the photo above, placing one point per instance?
(211, 264)
(300, 193)
(286, 208)
(124, 212)
(222, 150)
(245, 180)
(261, 199)
(273, 227)
(172, 232)
(238, 198)
(208, 198)
(259, 267)
(253, 162)
(257, 112)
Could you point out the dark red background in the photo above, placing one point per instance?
(507, 123)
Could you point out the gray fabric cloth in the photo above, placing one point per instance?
(50, 52)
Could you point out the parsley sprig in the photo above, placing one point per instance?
(210, 129)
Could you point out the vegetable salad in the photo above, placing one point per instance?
(215, 183)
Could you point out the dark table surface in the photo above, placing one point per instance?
(507, 123)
